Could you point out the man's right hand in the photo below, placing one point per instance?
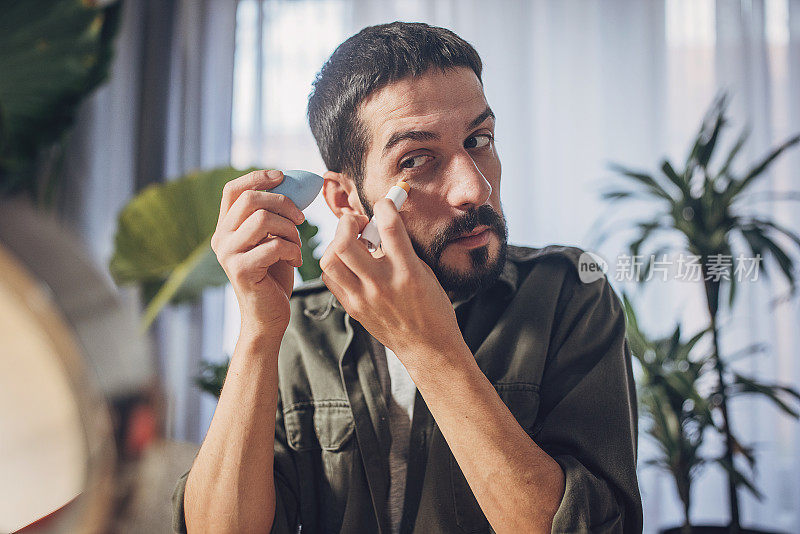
(257, 244)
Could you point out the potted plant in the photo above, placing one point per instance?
(706, 208)
(669, 399)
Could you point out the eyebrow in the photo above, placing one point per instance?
(422, 135)
(413, 135)
(480, 118)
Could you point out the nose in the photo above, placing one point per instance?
(469, 186)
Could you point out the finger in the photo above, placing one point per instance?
(262, 179)
(269, 252)
(251, 200)
(260, 225)
(394, 237)
(334, 268)
(349, 248)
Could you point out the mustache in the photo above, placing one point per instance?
(483, 215)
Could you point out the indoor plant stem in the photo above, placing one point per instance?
(712, 297)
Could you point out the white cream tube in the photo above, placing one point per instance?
(398, 195)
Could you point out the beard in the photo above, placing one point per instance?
(482, 271)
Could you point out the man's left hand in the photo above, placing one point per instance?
(396, 297)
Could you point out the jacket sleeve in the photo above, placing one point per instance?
(286, 486)
(588, 418)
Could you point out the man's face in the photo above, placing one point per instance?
(436, 131)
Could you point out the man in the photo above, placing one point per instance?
(449, 383)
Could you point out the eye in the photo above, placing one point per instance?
(414, 161)
(478, 141)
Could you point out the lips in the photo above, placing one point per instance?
(476, 231)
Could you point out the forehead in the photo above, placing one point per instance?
(435, 101)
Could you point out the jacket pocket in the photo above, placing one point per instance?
(522, 400)
(324, 424)
(321, 432)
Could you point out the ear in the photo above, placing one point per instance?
(341, 195)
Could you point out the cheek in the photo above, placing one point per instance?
(492, 175)
(492, 172)
(411, 219)
(417, 217)
(427, 199)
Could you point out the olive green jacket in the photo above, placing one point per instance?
(553, 346)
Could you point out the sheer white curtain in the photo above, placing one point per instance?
(165, 111)
(576, 85)
(198, 136)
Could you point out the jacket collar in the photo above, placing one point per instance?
(510, 275)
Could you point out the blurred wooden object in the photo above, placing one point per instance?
(56, 442)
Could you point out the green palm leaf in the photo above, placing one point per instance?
(742, 384)
(739, 478)
(766, 225)
(760, 243)
(679, 181)
(737, 186)
(645, 179)
(614, 195)
(708, 135)
(734, 151)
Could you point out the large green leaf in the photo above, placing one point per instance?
(53, 53)
(310, 268)
(163, 239)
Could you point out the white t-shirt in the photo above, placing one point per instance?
(401, 410)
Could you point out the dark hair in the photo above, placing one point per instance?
(364, 63)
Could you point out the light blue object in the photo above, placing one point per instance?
(301, 187)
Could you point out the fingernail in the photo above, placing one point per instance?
(274, 174)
